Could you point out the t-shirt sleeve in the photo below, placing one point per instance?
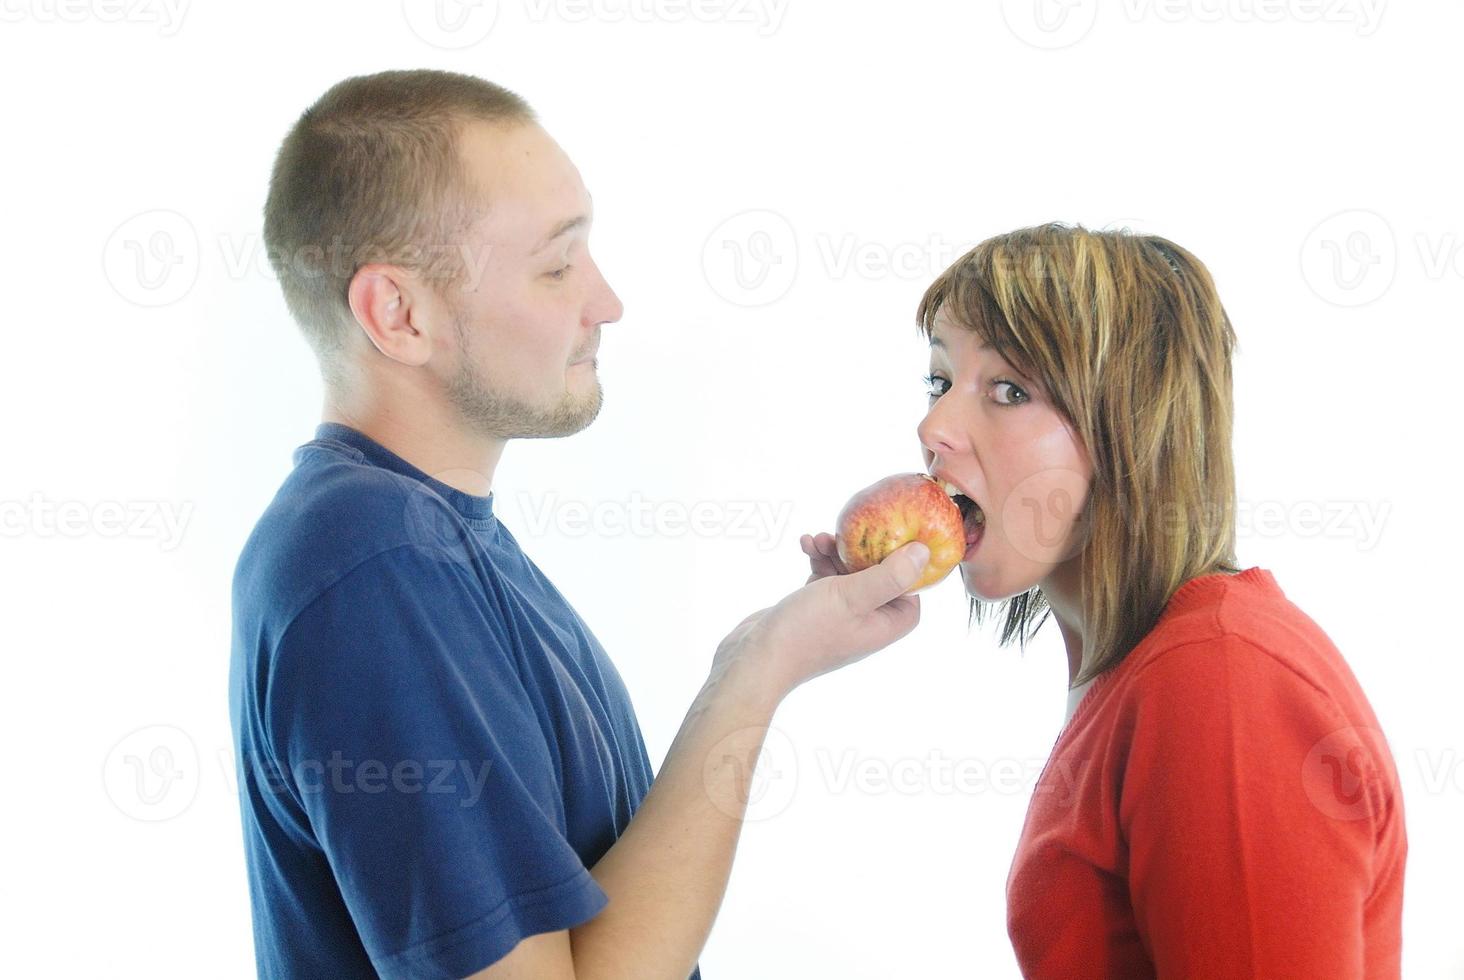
(1250, 809)
(417, 756)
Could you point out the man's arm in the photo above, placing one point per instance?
(667, 874)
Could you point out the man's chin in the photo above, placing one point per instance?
(505, 417)
(574, 414)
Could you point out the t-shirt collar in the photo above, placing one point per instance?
(469, 505)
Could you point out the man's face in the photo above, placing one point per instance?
(527, 318)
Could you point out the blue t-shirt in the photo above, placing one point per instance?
(432, 746)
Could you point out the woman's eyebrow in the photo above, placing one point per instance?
(937, 342)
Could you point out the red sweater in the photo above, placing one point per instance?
(1221, 804)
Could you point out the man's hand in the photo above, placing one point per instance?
(666, 875)
(837, 618)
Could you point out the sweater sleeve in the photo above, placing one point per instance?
(1250, 808)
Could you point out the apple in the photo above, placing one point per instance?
(894, 511)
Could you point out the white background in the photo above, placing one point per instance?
(1304, 150)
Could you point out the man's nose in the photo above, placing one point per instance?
(604, 305)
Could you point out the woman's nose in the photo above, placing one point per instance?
(937, 435)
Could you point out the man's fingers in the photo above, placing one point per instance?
(877, 585)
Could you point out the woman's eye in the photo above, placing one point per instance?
(558, 274)
(933, 383)
(1015, 395)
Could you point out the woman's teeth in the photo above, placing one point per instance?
(969, 507)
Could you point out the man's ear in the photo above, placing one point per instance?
(384, 301)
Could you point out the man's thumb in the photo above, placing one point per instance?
(888, 580)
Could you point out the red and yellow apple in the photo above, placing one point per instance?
(895, 511)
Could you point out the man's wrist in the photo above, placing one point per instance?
(748, 680)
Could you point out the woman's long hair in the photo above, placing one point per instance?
(1126, 334)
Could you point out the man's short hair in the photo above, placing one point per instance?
(371, 173)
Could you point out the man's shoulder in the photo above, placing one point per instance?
(332, 514)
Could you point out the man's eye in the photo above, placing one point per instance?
(933, 383)
(559, 273)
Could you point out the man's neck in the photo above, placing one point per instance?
(435, 446)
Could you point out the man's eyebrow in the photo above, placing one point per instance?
(563, 228)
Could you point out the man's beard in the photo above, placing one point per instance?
(502, 416)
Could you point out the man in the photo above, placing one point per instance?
(441, 772)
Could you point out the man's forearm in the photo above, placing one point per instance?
(668, 872)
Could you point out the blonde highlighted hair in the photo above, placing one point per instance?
(1127, 338)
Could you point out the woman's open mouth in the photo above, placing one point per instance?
(973, 519)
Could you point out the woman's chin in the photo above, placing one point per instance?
(976, 587)
(983, 588)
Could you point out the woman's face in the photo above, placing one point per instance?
(993, 434)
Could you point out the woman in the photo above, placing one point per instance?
(1220, 801)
